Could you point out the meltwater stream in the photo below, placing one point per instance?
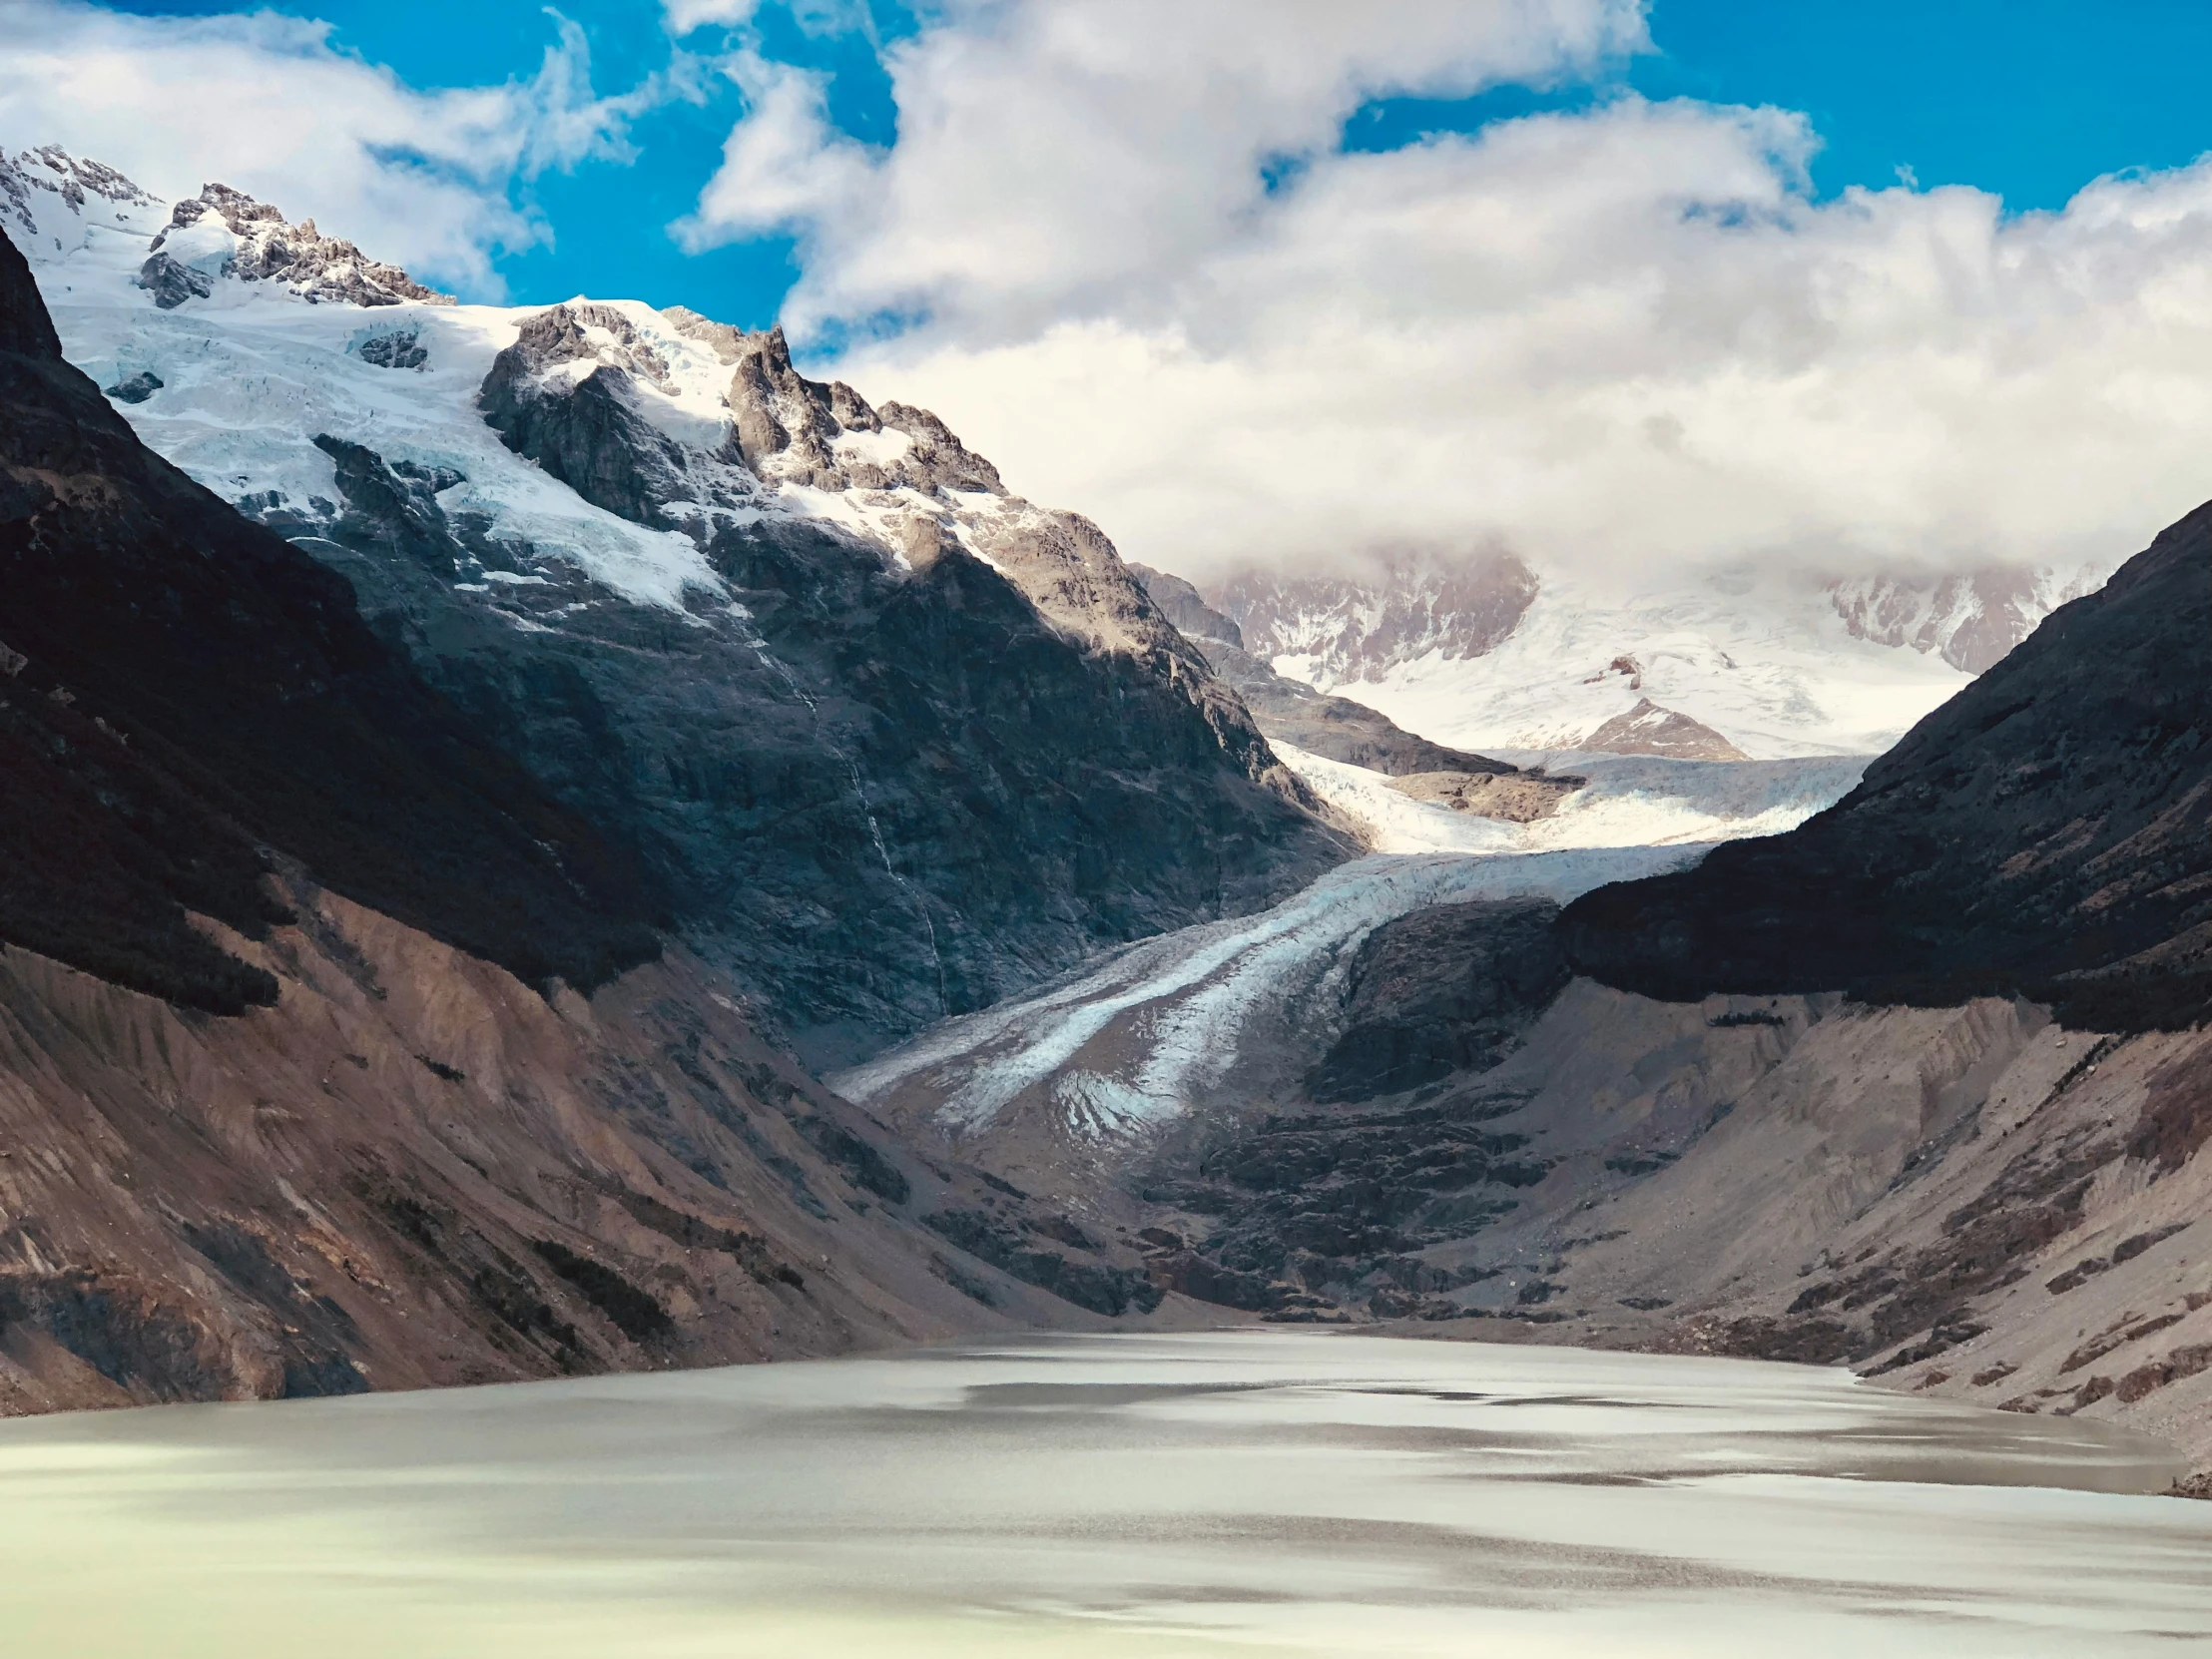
(1237, 1493)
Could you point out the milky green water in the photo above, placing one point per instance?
(1245, 1493)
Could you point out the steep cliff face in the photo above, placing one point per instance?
(2046, 833)
(891, 740)
(226, 233)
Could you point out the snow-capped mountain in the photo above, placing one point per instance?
(1406, 608)
(1970, 621)
(1487, 654)
(894, 741)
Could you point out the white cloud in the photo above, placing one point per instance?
(1069, 157)
(785, 168)
(265, 103)
(682, 17)
(1623, 337)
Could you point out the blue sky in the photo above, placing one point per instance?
(1139, 254)
(2029, 99)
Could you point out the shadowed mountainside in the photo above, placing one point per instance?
(293, 1097)
(187, 697)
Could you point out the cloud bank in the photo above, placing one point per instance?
(1121, 248)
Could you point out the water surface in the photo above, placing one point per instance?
(1243, 1493)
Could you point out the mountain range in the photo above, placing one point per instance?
(473, 772)
(1483, 651)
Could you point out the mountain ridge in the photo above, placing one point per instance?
(893, 741)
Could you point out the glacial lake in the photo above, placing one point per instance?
(1240, 1493)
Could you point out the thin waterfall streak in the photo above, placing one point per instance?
(914, 896)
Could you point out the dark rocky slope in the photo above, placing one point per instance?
(187, 698)
(415, 1171)
(2046, 833)
(1443, 989)
(878, 791)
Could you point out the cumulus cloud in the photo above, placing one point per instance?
(785, 168)
(1069, 157)
(265, 103)
(1627, 337)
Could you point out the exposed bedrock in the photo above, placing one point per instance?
(2046, 833)
(1648, 728)
(1444, 989)
(879, 789)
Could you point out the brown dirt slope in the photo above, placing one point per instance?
(414, 1170)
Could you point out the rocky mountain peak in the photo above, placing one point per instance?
(1360, 627)
(582, 333)
(226, 233)
(1971, 619)
(53, 170)
(1647, 729)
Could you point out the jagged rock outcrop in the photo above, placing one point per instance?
(190, 699)
(51, 170)
(566, 395)
(226, 233)
(2047, 833)
(974, 716)
(400, 349)
(1648, 728)
(1361, 627)
(135, 388)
